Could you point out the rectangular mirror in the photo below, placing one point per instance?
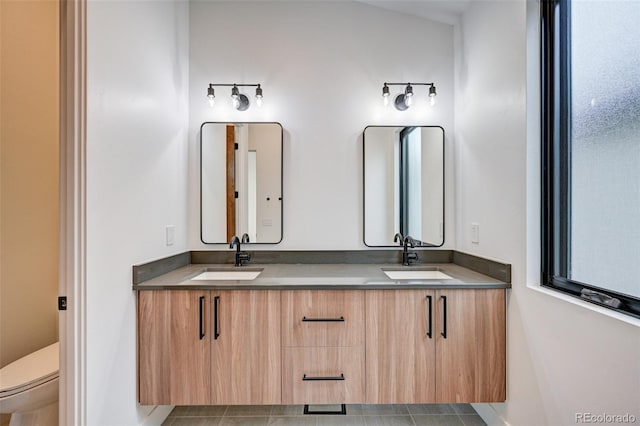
(403, 183)
(241, 182)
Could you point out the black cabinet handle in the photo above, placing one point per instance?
(306, 378)
(444, 314)
(201, 317)
(216, 322)
(429, 325)
(305, 319)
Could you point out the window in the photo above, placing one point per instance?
(590, 56)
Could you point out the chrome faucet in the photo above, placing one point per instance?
(240, 256)
(405, 242)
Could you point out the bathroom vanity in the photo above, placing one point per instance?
(322, 333)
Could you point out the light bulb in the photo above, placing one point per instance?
(259, 96)
(385, 95)
(432, 95)
(211, 96)
(408, 95)
(235, 102)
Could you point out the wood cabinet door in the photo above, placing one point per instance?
(173, 348)
(400, 356)
(245, 347)
(471, 345)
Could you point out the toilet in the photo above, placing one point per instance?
(29, 388)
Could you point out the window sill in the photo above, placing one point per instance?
(590, 306)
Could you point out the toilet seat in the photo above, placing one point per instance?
(30, 371)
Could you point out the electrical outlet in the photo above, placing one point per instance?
(475, 233)
(170, 234)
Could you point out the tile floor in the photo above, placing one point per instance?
(357, 415)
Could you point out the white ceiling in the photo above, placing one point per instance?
(446, 11)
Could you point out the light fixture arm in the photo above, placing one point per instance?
(410, 84)
(233, 84)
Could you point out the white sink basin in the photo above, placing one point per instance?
(228, 275)
(416, 274)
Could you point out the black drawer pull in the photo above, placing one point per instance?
(305, 319)
(306, 378)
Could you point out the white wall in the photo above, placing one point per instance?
(265, 141)
(381, 197)
(563, 358)
(321, 66)
(137, 114)
(214, 182)
(433, 184)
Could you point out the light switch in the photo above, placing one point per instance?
(170, 234)
(475, 233)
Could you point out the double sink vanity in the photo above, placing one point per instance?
(321, 327)
(322, 333)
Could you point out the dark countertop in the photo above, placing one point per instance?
(320, 276)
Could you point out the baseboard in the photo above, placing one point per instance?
(489, 415)
(157, 415)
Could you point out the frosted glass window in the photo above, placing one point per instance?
(604, 193)
(590, 127)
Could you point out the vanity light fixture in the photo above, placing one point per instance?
(404, 100)
(240, 100)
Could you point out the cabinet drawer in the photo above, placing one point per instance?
(323, 318)
(323, 375)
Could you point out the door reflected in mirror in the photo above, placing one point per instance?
(403, 182)
(241, 182)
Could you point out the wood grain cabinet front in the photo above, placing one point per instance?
(323, 318)
(322, 375)
(444, 346)
(470, 345)
(174, 348)
(400, 358)
(323, 346)
(245, 347)
(209, 347)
